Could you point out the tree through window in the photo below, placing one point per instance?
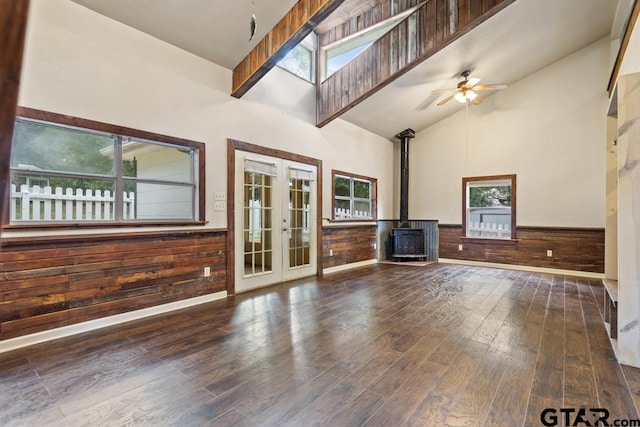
(489, 206)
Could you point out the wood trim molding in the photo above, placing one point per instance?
(350, 224)
(13, 28)
(532, 227)
(22, 241)
(623, 46)
(232, 146)
(48, 116)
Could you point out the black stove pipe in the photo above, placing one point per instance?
(404, 138)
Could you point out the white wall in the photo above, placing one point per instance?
(549, 129)
(631, 60)
(83, 64)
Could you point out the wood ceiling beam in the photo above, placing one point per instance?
(292, 28)
(635, 12)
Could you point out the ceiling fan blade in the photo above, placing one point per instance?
(444, 90)
(490, 87)
(477, 100)
(447, 99)
(472, 82)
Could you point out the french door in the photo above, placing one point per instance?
(275, 220)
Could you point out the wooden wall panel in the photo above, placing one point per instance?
(51, 282)
(426, 30)
(349, 243)
(351, 18)
(580, 249)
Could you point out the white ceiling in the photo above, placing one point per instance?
(523, 38)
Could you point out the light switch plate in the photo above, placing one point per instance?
(219, 195)
(219, 206)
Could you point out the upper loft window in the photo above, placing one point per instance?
(63, 174)
(301, 59)
(339, 53)
(340, 56)
(354, 197)
(489, 207)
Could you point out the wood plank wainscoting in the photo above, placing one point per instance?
(579, 249)
(55, 281)
(350, 243)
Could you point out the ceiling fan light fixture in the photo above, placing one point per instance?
(460, 97)
(470, 95)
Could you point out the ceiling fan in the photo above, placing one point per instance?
(466, 90)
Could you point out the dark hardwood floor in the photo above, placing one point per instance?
(383, 345)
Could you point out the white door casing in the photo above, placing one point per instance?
(275, 220)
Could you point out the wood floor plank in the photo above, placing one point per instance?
(439, 404)
(356, 411)
(403, 402)
(378, 346)
(580, 389)
(474, 402)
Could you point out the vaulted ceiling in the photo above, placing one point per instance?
(524, 37)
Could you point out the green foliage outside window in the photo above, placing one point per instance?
(57, 149)
(480, 197)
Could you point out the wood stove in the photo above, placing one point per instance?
(407, 242)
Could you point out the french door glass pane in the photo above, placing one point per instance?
(258, 231)
(299, 222)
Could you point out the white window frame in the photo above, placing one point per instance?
(501, 230)
(309, 44)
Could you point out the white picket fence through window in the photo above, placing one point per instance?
(57, 204)
(346, 214)
(489, 229)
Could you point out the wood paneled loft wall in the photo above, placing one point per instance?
(361, 14)
(434, 25)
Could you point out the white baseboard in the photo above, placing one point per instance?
(349, 266)
(523, 268)
(65, 331)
